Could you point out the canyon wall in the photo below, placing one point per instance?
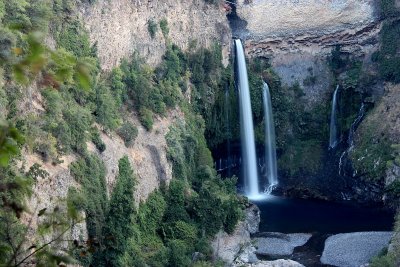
(120, 27)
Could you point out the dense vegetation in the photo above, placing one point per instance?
(80, 104)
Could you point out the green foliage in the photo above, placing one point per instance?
(389, 258)
(16, 14)
(336, 60)
(2, 9)
(35, 171)
(97, 141)
(151, 213)
(39, 13)
(302, 155)
(164, 27)
(372, 152)
(10, 139)
(118, 87)
(388, 8)
(90, 173)
(179, 254)
(146, 118)
(74, 39)
(152, 28)
(387, 57)
(118, 228)
(106, 108)
(128, 132)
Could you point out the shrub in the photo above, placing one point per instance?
(74, 38)
(146, 118)
(128, 132)
(164, 27)
(106, 108)
(97, 141)
(152, 28)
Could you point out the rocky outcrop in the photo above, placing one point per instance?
(373, 134)
(120, 27)
(276, 263)
(48, 194)
(238, 244)
(148, 155)
(278, 244)
(354, 249)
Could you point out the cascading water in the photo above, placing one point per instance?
(249, 162)
(333, 130)
(350, 140)
(270, 146)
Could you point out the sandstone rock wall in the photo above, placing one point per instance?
(120, 27)
(271, 18)
(148, 156)
(297, 36)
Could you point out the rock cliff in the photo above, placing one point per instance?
(120, 27)
(298, 35)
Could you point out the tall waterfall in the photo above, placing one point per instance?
(333, 129)
(249, 162)
(270, 146)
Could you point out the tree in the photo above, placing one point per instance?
(118, 227)
(106, 108)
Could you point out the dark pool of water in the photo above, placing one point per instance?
(279, 214)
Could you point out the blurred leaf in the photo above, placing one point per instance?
(83, 75)
(17, 51)
(10, 138)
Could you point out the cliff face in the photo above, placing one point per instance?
(297, 36)
(120, 27)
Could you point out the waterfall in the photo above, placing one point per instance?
(333, 130)
(270, 146)
(350, 139)
(246, 126)
(354, 126)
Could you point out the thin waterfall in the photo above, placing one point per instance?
(246, 126)
(333, 129)
(270, 145)
(350, 140)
